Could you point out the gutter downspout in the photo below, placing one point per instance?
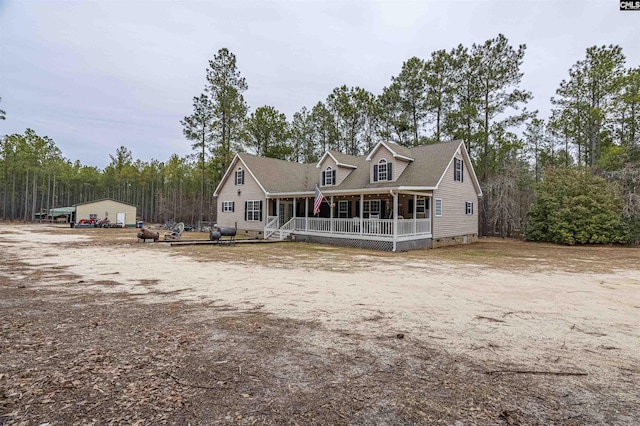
(395, 219)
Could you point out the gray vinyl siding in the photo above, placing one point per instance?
(249, 191)
(398, 165)
(107, 208)
(454, 220)
(341, 172)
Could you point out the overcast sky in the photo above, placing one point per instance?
(96, 75)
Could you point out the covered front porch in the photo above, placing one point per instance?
(385, 220)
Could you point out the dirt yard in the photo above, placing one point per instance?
(97, 328)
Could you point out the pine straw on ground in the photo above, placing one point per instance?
(95, 358)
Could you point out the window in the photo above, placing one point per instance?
(93, 216)
(343, 209)
(371, 207)
(227, 206)
(253, 211)
(382, 171)
(457, 170)
(329, 177)
(421, 206)
(468, 206)
(438, 207)
(239, 176)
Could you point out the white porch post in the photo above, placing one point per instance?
(361, 211)
(395, 220)
(331, 214)
(415, 212)
(278, 212)
(306, 213)
(295, 207)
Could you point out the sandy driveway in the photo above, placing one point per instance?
(545, 320)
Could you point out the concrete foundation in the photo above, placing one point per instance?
(453, 241)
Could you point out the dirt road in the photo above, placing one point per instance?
(96, 327)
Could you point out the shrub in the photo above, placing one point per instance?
(575, 207)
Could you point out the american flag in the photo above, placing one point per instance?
(317, 201)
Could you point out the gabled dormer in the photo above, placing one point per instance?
(334, 168)
(388, 161)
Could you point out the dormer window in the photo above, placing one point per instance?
(239, 176)
(382, 171)
(329, 177)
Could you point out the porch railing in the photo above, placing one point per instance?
(271, 227)
(287, 228)
(355, 226)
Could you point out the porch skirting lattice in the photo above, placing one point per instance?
(365, 244)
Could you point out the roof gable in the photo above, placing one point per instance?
(342, 160)
(273, 175)
(396, 150)
(425, 171)
(467, 159)
(104, 199)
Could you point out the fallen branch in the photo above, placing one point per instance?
(537, 372)
(489, 319)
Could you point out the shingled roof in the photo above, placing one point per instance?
(281, 176)
(425, 171)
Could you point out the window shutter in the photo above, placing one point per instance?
(323, 181)
(233, 205)
(242, 177)
(260, 210)
(389, 171)
(455, 168)
(411, 206)
(333, 177)
(375, 172)
(462, 171)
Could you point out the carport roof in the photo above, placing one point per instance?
(61, 211)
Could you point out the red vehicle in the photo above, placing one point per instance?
(87, 222)
(103, 223)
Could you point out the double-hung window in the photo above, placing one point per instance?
(382, 171)
(468, 207)
(253, 211)
(329, 177)
(438, 207)
(343, 209)
(227, 206)
(239, 176)
(371, 207)
(458, 170)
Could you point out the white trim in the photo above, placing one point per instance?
(235, 180)
(253, 211)
(435, 208)
(470, 170)
(233, 167)
(404, 189)
(395, 154)
(386, 170)
(319, 165)
(466, 207)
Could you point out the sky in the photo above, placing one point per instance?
(95, 75)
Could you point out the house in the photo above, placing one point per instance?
(394, 199)
(116, 211)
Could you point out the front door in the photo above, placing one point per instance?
(286, 211)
